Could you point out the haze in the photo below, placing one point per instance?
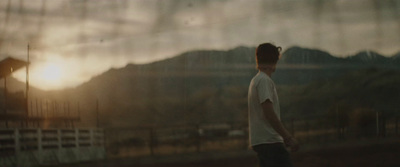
(73, 40)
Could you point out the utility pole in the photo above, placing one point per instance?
(5, 98)
(5, 94)
(97, 113)
(377, 123)
(27, 84)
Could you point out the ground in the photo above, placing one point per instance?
(373, 154)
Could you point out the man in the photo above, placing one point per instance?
(268, 137)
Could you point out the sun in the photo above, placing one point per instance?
(52, 72)
(49, 75)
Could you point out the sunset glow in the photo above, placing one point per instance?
(91, 38)
(49, 75)
(52, 73)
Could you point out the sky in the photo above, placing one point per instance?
(70, 41)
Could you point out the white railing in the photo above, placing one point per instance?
(50, 146)
(14, 141)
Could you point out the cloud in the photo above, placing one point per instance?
(114, 33)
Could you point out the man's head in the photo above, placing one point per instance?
(267, 55)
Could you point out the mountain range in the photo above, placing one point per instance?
(201, 86)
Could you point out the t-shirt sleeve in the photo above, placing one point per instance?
(264, 91)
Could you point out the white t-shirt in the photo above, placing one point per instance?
(262, 88)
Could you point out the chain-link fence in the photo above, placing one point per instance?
(150, 141)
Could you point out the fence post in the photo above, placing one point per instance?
(59, 139)
(16, 140)
(198, 138)
(397, 126)
(91, 137)
(377, 124)
(292, 126)
(103, 138)
(37, 108)
(40, 146)
(383, 118)
(77, 138)
(17, 146)
(307, 131)
(152, 141)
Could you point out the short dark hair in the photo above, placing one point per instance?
(267, 53)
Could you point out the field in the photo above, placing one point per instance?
(375, 153)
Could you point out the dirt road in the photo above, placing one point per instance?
(371, 155)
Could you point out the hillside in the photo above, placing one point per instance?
(297, 55)
(211, 87)
(372, 88)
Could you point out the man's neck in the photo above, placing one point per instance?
(267, 71)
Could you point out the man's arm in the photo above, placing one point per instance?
(277, 125)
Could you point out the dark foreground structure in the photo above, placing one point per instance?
(27, 137)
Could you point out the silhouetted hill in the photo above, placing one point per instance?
(211, 87)
(297, 65)
(297, 55)
(189, 85)
(208, 60)
(301, 66)
(369, 57)
(371, 88)
(396, 58)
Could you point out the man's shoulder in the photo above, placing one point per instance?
(261, 80)
(262, 77)
(257, 78)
